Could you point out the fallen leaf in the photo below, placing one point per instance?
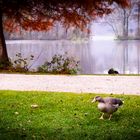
(34, 106)
(16, 113)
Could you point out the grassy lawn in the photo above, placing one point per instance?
(65, 116)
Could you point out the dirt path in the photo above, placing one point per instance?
(76, 84)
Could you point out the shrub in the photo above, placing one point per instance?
(21, 64)
(60, 64)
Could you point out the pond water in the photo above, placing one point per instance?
(95, 56)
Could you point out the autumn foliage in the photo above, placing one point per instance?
(43, 14)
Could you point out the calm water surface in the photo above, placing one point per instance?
(95, 56)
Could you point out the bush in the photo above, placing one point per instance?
(60, 64)
(22, 64)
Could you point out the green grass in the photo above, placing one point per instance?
(65, 116)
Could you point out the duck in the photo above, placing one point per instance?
(108, 105)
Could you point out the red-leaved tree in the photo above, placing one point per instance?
(42, 14)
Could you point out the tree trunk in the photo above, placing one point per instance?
(138, 22)
(3, 50)
(124, 22)
(127, 26)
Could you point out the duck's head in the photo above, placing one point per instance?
(97, 98)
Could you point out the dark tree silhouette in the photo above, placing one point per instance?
(42, 14)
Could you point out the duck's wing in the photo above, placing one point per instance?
(112, 108)
(113, 101)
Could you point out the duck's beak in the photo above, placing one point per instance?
(94, 100)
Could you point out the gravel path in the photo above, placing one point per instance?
(76, 84)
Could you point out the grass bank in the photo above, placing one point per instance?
(65, 116)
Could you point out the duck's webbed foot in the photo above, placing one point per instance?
(102, 117)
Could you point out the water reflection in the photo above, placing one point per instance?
(96, 56)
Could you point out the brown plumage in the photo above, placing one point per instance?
(108, 105)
